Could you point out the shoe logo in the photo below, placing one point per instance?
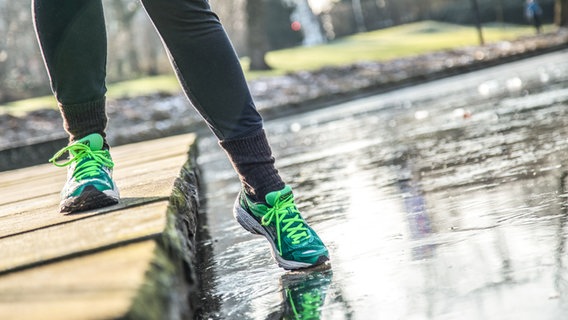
(285, 196)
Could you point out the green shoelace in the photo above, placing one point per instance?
(278, 213)
(89, 162)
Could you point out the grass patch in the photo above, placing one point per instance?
(20, 107)
(401, 41)
(124, 89)
(132, 88)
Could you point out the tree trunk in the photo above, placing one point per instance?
(152, 68)
(475, 8)
(424, 9)
(359, 17)
(499, 12)
(394, 12)
(561, 13)
(257, 35)
(125, 13)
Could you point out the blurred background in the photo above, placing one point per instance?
(462, 180)
(255, 26)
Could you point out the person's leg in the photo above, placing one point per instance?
(211, 76)
(72, 39)
(206, 65)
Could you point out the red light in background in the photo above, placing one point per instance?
(296, 26)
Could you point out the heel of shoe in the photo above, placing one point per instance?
(245, 220)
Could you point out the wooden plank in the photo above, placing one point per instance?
(142, 173)
(98, 286)
(18, 176)
(82, 236)
(123, 177)
(30, 187)
(130, 160)
(137, 152)
(143, 186)
(153, 150)
(44, 217)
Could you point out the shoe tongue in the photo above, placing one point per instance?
(282, 194)
(95, 141)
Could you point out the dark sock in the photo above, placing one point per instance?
(253, 161)
(80, 120)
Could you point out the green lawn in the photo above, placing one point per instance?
(400, 41)
(131, 88)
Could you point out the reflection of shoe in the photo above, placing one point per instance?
(304, 295)
(294, 244)
(89, 177)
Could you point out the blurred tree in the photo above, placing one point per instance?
(269, 26)
(561, 13)
(282, 31)
(258, 44)
(358, 13)
(21, 66)
(394, 11)
(5, 29)
(499, 12)
(475, 8)
(125, 54)
(424, 9)
(150, 49)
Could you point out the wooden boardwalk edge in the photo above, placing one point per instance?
(170, 289)
(134, 260)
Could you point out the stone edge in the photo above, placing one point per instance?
(170, 289)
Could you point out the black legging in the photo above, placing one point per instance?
(73, 41)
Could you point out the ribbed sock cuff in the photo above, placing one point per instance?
(80, 120)
(253, 161)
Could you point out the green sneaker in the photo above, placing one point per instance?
(294, 244)
(89, 177)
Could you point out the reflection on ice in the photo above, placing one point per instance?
(421, 114)
(303, 294)
(428, 214)
(488, 88)
(544, 77)
(514, 84)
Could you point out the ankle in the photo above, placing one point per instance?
(80, 120)
(252, 159)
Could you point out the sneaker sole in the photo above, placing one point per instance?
(252, 226)
(90, 198)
